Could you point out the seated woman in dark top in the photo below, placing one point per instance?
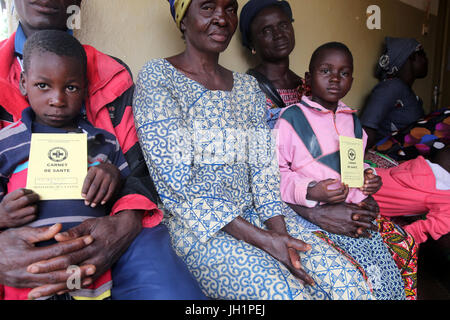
(266, 27)
(393, 105)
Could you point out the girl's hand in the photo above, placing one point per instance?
(100, 184)
(18, 208)
(321, 193)
(372, 183)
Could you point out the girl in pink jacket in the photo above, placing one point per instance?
(309, 160)
(308, 135)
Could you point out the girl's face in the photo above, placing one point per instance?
(272, 34)
(209, 25)
(330, 77)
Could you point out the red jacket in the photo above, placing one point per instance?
(108, 106)
(410, 189)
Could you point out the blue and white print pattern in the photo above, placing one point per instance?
(373, 255)
(205, 184)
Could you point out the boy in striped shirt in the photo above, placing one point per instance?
(55, 82)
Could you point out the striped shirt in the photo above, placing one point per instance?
(14, 152)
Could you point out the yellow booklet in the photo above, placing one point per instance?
(57, 165)
(352, 161)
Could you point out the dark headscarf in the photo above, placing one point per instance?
(397, 52)
(251, 10)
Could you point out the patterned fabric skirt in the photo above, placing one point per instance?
(373, 259)
(401, 244)
(230, 269)
(371, 256)
(378, 160)
(404, 250)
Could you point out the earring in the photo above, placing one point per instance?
(253, 51)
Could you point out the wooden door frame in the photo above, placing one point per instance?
(440, 59)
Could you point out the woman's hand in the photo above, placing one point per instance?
(100, 184)
(372, 183)
(285, 248)
(321, 193)
(275, 241)
(112, 235)
(344, 219)
(18, 208)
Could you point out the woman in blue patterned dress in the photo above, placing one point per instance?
(203, 134)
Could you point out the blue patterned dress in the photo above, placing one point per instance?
(210, 154)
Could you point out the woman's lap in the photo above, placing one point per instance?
(374, 257)
(370, 255)
(230, 269)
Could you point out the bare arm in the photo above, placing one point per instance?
(275, 241)
(345, 219)
(371, 137)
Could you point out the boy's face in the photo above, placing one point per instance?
(56, 88)
(330, 77)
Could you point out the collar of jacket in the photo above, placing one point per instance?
(342, 107)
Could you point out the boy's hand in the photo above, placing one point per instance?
(321, 193)
(100, 184)
(372, 183)
(18, 208)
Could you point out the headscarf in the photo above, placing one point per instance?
(178, 9)
(251, 10)
(397, 52)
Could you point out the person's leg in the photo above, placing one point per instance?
(235, 270)
(336, 276)
(150, 270)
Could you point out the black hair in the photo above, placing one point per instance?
(57, 42)
(329, 45)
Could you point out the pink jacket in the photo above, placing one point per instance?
(299, 164)
(410, 189)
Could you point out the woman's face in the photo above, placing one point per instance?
(420, 64)
(209, 25)
(272, 34)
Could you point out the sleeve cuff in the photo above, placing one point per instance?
(367, 166)
(301, 190)
(152, 216)
(270, 210)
